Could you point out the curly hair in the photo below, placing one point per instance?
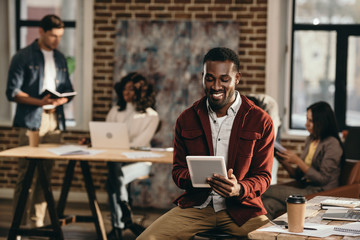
(144, 92)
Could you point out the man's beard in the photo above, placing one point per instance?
(49, 46)
(216, 105)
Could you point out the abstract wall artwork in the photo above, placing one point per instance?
(169, 54)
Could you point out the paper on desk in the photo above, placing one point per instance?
(73, 150)
(322, 230)
(142, 154)
(348, 229)
(169, 149)
(333, 232)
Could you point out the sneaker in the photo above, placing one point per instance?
(36, 224)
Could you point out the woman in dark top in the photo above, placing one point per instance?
(318, 168)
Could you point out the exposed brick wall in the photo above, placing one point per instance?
(251, 14)
(8, 167)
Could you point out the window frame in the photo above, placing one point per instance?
(343, 31)
(278, 48)
(278, 63)
(30, 23)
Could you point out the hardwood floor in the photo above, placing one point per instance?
(80, 231)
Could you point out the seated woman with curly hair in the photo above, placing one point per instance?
(136, 100)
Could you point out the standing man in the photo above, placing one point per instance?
(223, 123)
(33, 69)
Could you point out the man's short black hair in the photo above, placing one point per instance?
(223, 54)
(51, 21)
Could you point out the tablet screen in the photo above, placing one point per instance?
(202, 167)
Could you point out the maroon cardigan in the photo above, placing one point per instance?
(250, 155)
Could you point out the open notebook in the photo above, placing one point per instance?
(349, 228)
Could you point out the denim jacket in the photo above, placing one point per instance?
(26, 73)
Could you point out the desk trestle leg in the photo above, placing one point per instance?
(50, 201)
(65, 188)
(21, 204)
(56, 232)
(94, 206)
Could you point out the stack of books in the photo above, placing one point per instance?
(340, 204)
(343, 210)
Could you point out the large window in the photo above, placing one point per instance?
(325, 59)
(23, 21)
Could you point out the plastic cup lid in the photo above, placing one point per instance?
(296, 199)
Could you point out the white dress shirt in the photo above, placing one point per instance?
(220, 132)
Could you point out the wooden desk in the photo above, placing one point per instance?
(36, 156)
(313, 215)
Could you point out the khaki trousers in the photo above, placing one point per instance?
(184, 223)
(49, 133)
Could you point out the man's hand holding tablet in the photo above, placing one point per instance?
(210, 171)
(225, 186)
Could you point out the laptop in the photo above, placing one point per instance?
(342, 215)
(109, 135)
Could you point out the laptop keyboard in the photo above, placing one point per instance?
(353, 215)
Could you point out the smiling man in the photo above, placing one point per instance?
(33, 69)
(223, 123)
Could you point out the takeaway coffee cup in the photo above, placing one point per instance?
(34, 138)
(296, 205)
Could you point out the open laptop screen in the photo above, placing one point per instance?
(109, 135)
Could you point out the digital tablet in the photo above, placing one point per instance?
(278, 147)
(202, 167)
